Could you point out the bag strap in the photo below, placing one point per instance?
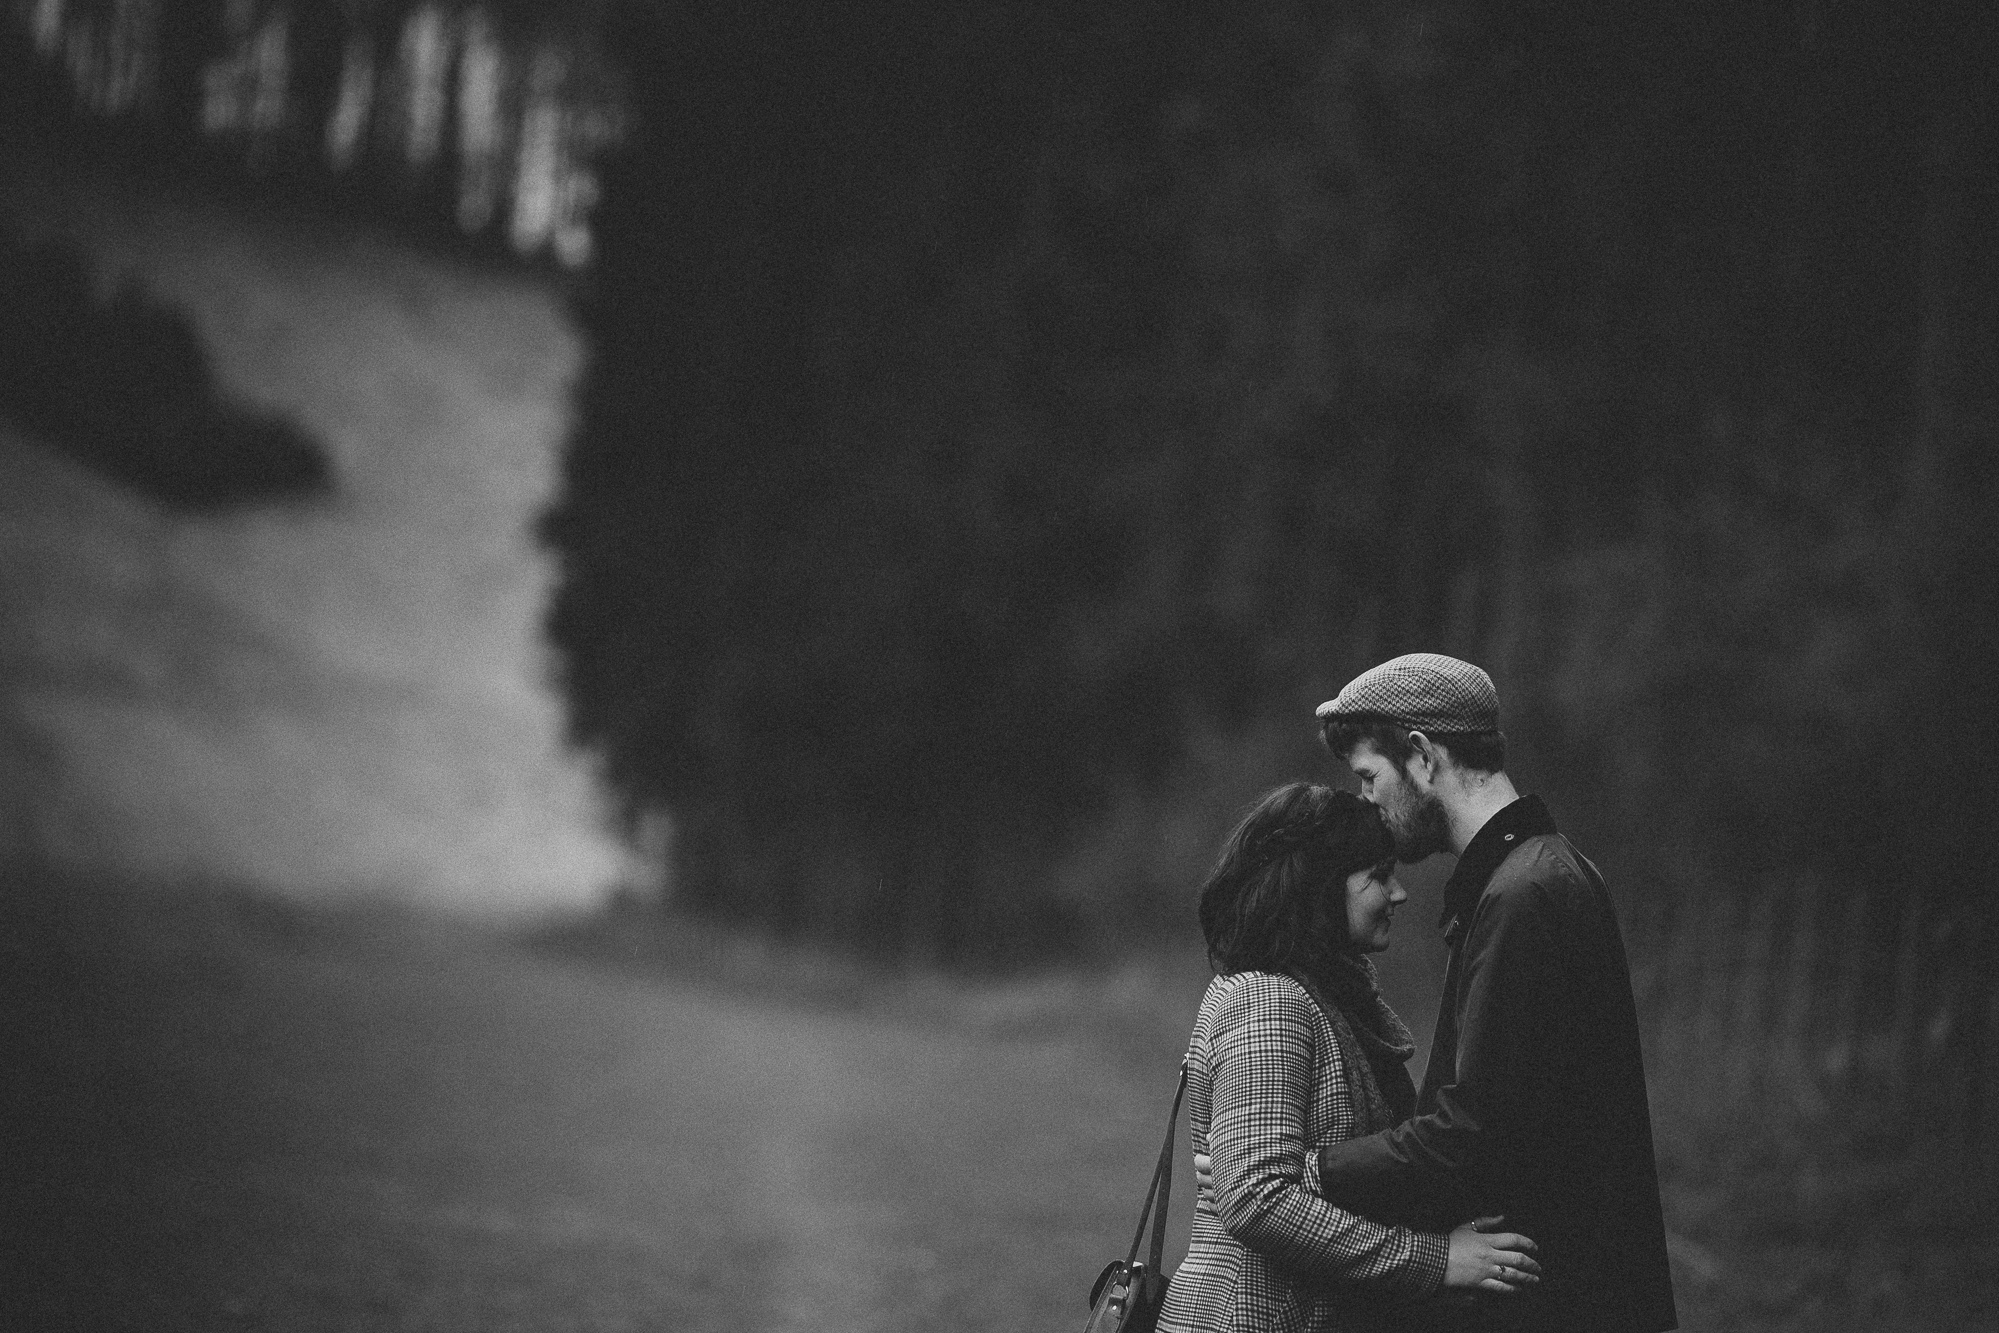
(1165, 1174)
(1161, 1189)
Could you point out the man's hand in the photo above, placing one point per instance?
(1485, 1259)
(1204, 1173)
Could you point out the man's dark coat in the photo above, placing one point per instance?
(1533, 1105)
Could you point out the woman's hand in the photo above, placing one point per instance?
(1483, 1259)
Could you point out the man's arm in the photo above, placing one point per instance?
(1430, 1168)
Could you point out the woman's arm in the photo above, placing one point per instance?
(1260, 1053)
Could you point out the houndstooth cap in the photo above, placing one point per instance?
(1422, 691)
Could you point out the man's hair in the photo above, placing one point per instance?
(1479, 751)
(1276, 899)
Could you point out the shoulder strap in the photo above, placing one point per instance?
(1160, 1189)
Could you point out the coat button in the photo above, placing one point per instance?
(1508, 838)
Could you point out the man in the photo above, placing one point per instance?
(1533, 1105)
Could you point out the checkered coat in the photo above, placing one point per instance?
(1269, 1082)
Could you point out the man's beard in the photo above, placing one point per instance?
(1419, 827)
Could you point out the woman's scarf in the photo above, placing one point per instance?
(1350, 993)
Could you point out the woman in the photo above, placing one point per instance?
(1295, 1048)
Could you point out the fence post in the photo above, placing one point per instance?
(1750, 1040)
(1794, 1044)
(1904, 1056)
(1718, 951)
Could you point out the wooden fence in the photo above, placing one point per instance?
(1799, 1003)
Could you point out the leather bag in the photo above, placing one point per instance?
(1128, 1294)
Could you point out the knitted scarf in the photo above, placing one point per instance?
(1350, 993)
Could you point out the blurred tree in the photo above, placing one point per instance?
(359, 105)
(989, 399)
(927, 468)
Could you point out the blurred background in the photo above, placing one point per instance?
(626, 628)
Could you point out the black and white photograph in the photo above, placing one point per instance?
(879, 666)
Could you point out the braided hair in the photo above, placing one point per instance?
(1276, 899)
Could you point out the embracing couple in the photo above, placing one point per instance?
(1517, 1190)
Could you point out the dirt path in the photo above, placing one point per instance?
(349, 1128)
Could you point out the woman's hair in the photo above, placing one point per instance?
(1276, 899)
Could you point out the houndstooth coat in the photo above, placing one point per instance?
(1269, 1082)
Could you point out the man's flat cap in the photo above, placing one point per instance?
(1422, 691)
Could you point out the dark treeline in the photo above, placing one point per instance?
(993, 403)
(461, 120)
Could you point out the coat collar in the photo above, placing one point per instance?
(1488, 847)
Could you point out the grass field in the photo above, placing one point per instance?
(235, 1114)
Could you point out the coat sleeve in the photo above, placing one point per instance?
(1431, 1165)
(1260, 1053)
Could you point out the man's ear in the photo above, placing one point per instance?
(1423, 758)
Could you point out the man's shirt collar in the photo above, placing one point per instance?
(1488, 847)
